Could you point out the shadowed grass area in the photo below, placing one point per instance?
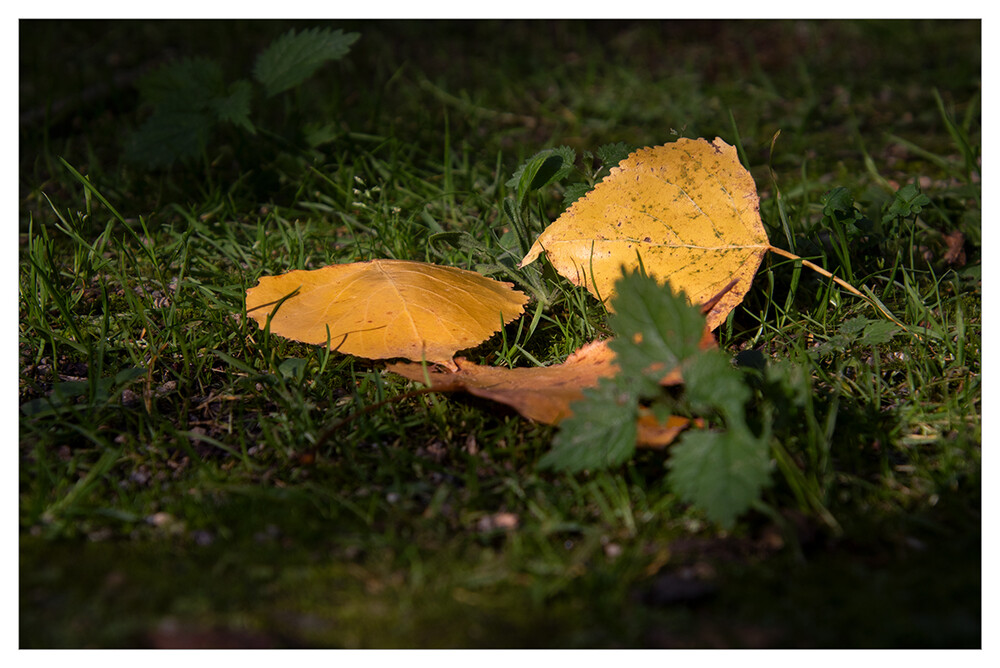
(188, 480)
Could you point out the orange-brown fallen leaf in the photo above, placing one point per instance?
(540, 393)
(955, 254)
(653, 434)
(543, 394)
(386, 308)
(689, 210)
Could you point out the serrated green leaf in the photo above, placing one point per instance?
(868, 331)
(547, 166)
(711, 382)
(508, 241)
(459, 240)
(836, 343)
(601, 432)
(722, 473)
(654, 327)
(574, 191)
(854, 326)
(568, 155)
(293, 58)
(234, 107)
(879, 332)
(546, 172)
(839, 203)
(168, 137)
(317, 134)
(611, 154)
(183, 86)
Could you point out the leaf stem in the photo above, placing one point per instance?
(839, 281)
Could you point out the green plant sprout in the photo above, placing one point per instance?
(190, 98)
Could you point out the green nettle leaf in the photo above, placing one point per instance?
(611, 154)
(293, 58)
(722, 473)
(235, 107)
(547, 166)
(879, 332)
(601, 432)
(711, 382)
(169, 136)
(187, 96)
(868, 331)
(656, 329)
(317, 134)
(574, 191)
(836, 343)
(185, 85)
(854, 326)
(839, 203)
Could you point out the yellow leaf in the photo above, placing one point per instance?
(689, 210)
(386, 308)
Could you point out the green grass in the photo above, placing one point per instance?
(186, 478)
